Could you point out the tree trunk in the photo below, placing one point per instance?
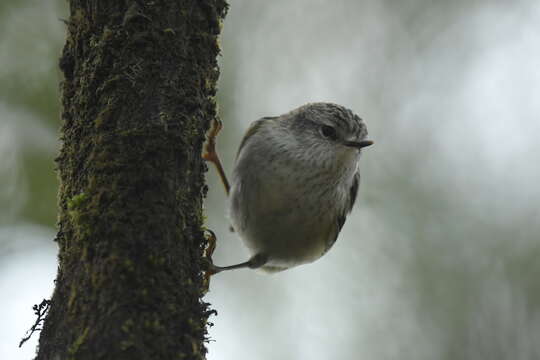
(138, 96)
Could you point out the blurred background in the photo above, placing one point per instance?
(439, 259)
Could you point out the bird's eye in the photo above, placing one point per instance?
(328, 132)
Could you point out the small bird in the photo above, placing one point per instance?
(295, 180)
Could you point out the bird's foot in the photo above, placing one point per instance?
(210, 154)
(207, 263)
(209, 149)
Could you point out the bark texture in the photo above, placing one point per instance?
(138, 96)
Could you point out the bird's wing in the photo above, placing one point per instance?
(253, 128)
(354, 191)
(340, 220)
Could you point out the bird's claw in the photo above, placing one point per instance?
(207, 263)
(209, 153)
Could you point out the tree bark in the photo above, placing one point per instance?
(138, 96)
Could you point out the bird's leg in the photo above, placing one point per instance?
(255, 262)
(207, 256)
(210, 153)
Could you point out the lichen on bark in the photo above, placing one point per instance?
(137, 95)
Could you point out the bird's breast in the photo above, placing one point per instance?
(286, 212)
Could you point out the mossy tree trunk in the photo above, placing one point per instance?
(138, 96)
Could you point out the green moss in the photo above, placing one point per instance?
(128, 265)
(78, 16)
(107, 34)
(127, 325)
(77, 201)
(72, 297)
(126, 344)
(109, 85)
(164, 117)
(95, 279)
(84, 254)
(156, 260)
(79, 217)
(169, 31)
(157, 326)
(78, 342)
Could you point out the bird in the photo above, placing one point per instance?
(295, 180)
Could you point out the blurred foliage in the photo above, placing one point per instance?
(440, 258)
(30, 43)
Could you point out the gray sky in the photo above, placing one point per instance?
(439, 259)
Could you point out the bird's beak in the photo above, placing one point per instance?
(358, 144)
